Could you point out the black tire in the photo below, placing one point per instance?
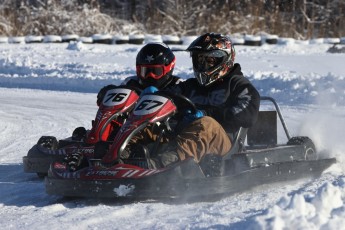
(79, 134)
(309, 146)
(48, 142)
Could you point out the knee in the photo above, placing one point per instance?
(205, 126)
(206, 123)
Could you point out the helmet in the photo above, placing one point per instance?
(155, 64)
(213, 56)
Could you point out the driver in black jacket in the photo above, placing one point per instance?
(226, 101)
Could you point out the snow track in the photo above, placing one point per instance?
(24, 195)
(29, 114)
(310, 92)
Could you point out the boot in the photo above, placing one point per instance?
(167, 158)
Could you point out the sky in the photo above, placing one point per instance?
(50, 89)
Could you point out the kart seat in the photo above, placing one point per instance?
(264, 131)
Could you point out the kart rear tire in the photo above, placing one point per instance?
(309, 146)
(49, 142)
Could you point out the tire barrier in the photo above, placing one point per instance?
(136, 39)
(102, 39)
(140, 39)
(121, 39)
(52, 39)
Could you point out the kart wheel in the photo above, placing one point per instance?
(309, 147)
(79, 134)
(48, 142)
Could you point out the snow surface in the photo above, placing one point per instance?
(49, 89)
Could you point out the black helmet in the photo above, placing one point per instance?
(155, 64)
(213, 56)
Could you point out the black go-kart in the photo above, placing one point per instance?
(255, 159)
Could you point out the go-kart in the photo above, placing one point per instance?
(113, 110)
(258, 162)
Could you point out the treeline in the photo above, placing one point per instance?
(300, 19)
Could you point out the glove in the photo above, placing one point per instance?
(74, 161)
(147, 90)
(190, 116)
(212, 111)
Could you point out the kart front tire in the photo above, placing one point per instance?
(48, 142)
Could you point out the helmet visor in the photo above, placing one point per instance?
(205, 61)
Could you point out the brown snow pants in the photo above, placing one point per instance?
(198, 138)
(201, 137)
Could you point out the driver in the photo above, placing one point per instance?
(155, 64)
(225, 98)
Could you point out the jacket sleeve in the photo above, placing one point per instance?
(243, 107)
(240, 109)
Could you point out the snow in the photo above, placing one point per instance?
(19, 39)
(170, 38)
(96, 37)
(186, 40)
(252, 38)
(70, 37)
(152, 38)
(50, 89)
(31, 38)
(52, 38)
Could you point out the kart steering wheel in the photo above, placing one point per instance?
(182, 103)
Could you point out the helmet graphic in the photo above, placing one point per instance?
(213, 57)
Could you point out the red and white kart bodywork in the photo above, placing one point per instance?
(112, 112)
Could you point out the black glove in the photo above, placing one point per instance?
(102, 93)
(74, 161)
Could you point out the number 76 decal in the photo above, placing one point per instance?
(116, 97)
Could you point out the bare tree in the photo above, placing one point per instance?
(294, 18)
